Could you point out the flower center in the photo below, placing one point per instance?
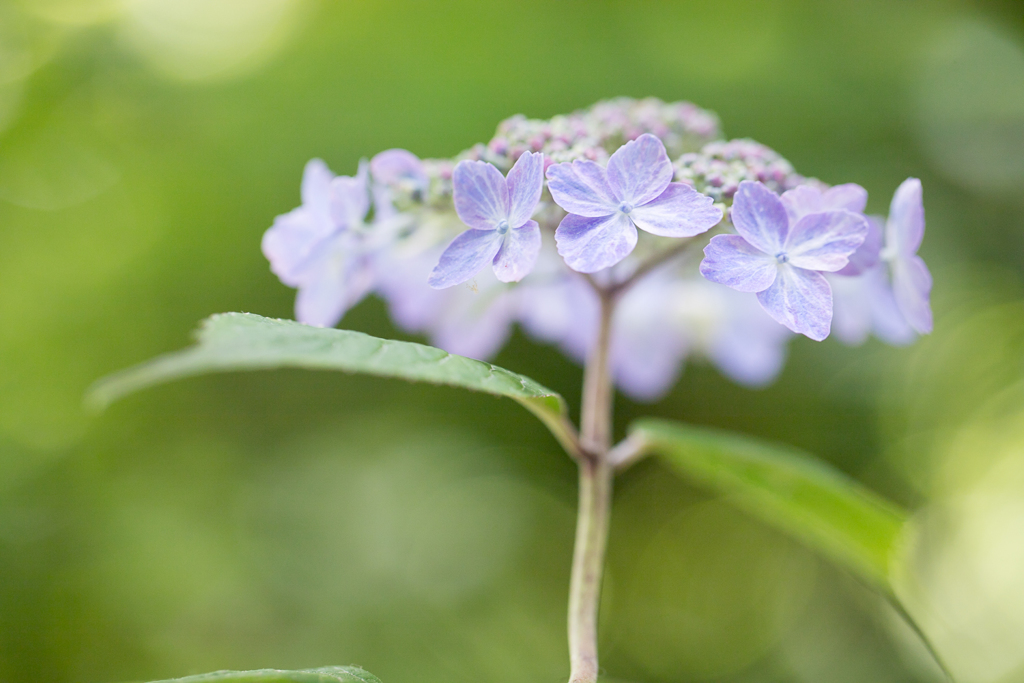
(625, 207)
(502, 227)
(782, 257)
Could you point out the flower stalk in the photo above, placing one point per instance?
(595, 501)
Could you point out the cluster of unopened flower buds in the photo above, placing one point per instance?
(533, 226)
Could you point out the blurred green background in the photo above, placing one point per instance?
(294, 519)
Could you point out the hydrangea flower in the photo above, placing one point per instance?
(323, 247)
(473, 322)
(782, 261)
(606, 206)
(607, 170)
(497, 211)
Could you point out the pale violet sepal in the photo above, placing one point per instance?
(911, 280)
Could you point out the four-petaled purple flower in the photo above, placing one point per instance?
(783, 261)
(497, 211)
(606, 206)
(323, 247)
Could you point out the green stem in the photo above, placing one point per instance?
(595, 501)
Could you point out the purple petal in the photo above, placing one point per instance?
(475, 323)
(350, 198)
(905, 228)
(592, 244)
(801, 300)
(336, 280)
(680, 211)
(464, 257)
(751, 347)
(760, 217)
(560, 307)
(849, 196)
(731, 261)
(480, 194)
(868, 253)
(316, 183)
(640, 170)
(290, 243)
(806, 199)
(865, 304)
(851, 309)
(383, 208)
(887, 321)
(912, 285)
(400, 281)
(525, 183)
(824, 241)
(395, 165)
(646, 362)
(647, 347)
(800, 201)
(582, 188)
(518, 252)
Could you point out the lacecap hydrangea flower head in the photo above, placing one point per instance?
(709, 247)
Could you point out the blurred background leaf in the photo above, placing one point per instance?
(331, 674)
(291, 520)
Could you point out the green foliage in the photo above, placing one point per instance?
(243, 341)
(788, 489)
(327, 674)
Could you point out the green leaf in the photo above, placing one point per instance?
(243, 341)
(327, 674)
(788, 489)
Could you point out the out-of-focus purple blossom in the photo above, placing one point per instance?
(719, 167)
(864, 304)
(731, 330)
(606, 206)
(398, 175)
(323, 248)
(647, 345)
(469, 321)
(647, 348)
(497, 211)
(911, 281)
(783, 263)
(664, 318)
(558, 306)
